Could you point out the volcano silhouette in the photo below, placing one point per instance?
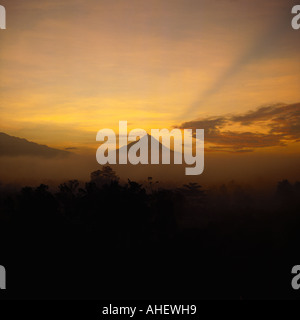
(150, 141)
(157, 171)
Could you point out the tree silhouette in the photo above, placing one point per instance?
(105, 176)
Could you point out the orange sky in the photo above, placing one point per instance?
(71, 68)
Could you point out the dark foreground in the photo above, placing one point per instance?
(116, 241)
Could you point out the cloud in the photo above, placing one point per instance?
(71, 148)
(260, 114)
(267, 126)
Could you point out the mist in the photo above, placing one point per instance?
(256, 169)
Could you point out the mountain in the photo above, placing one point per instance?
(13, 146)
(150, 140)
(159, 172)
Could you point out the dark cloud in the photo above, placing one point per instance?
(210, 125)
(279, 124)
(71, 148)
(228, 149)
(261, 114)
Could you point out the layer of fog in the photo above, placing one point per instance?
(254, 169)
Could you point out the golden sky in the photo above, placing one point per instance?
(70, 68)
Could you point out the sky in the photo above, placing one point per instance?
(70, 68)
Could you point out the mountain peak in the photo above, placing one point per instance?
(162, 150)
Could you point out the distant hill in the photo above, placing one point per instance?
(13, 146)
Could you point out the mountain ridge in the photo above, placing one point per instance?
(15, 146)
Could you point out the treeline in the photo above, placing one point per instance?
(135, 237)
